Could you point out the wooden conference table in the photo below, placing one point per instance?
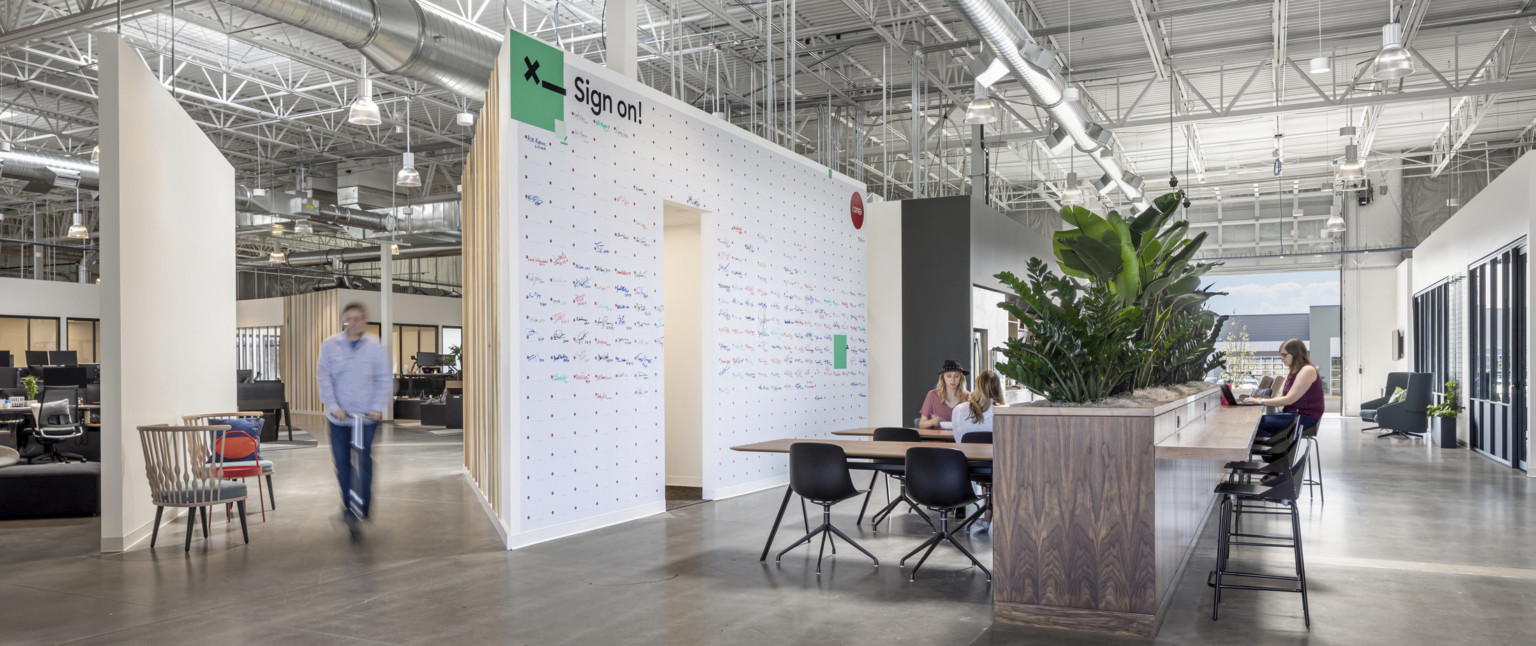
(928, 434)
(854, 449)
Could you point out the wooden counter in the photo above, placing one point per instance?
(1098, 509)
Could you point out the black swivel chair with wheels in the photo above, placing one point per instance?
(940, 479)
(819, 473)
(58, 421)
(981, 473)
(1407, 418)
(893, 468)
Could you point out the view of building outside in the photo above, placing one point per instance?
(1266, 309)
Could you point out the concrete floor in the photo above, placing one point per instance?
(1414, 546)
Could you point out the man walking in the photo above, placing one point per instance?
(356, 381)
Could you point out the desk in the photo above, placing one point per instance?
(854, 449)
(1097, 510)
(929, 434)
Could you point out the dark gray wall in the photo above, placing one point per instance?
(935, 293)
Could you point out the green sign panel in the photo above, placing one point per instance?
(536, 95)
(840, 352)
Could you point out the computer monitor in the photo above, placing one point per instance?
(5, 359)
(55, 376)
(62, 358)
(428, 359)
(10, 377)
(37, 357)
(92, 372)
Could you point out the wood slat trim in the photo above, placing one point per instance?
(481, 344)
(308, 319)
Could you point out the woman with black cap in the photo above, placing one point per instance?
(939, 405)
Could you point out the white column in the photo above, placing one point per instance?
(620, 29)
(387, 308)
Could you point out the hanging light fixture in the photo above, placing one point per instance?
(1072, 194)
(982, 109)
(277, 228)
(364, 111)
(303, 227)
(1393, 61)
(96, 154)
(408, 177)
(1335, 224)
(1352, 169)
(77, 231)
(277, 256)
(394, 248)
(1321, 64)
(465, 119)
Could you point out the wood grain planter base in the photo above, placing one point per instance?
(1099, 509)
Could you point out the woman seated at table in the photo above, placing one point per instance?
(975, 416)
(942, 400)
(1303, 390)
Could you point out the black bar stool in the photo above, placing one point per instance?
(939, 479)
(819, 473)
(1281, 489)
(981, 473)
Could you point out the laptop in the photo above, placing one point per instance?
(1229, 399)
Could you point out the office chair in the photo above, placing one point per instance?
(819, 473)
(58, 421)
(939, 479)
(981, 473)
(896, 469)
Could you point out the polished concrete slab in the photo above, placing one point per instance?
(1415, 545)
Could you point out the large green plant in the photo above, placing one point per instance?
(1081, 344)
(1145, 261)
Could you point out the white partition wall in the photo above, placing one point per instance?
(584, 289)
(167, 204)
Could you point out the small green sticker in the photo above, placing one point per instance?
(536, 94)
(829, 173)
(840, 352)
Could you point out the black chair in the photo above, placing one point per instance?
(1407, 418)
(981, 473)
(819, 473)
(892, 468)
(1282, 490)
(58, 421)
(939, 479)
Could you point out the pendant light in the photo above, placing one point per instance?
(96, 154)
(982, 109)
(277, 256)
(1321, 64)
(303, 227)
(408, 177)
(1352, 170)
(364, 111)
(1071, 194)
(1335, 224)
(77, 230)
(1393, 61)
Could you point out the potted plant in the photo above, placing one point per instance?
(31, 384)
(1443, 415)
(451, 360)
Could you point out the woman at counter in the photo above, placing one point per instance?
(939, 405)
(1303, 390)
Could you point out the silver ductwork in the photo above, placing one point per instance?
(44, 172)
(1035, 67)
(366, 254)
(401, 37)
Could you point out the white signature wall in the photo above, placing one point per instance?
(788, 277)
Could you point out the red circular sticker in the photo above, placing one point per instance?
(857, 209)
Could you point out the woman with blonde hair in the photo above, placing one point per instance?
(975, 416)
(942, 400)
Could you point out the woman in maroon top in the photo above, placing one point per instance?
(940, 403)
(1303, 390)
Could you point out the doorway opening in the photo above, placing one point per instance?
(683, 283)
